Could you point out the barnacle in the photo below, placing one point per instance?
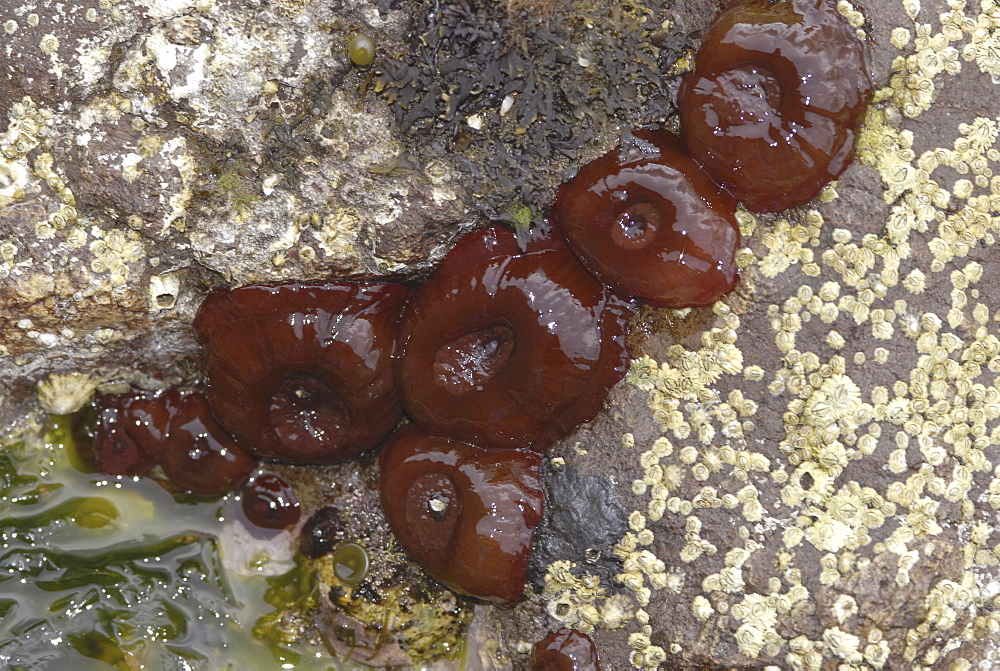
(351, 563)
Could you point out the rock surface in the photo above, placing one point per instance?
(805, 475)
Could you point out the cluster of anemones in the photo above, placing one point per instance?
(501, 353)
(173, 435)
(768, 117)
(514, 342)
(137, 431)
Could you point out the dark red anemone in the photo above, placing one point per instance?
(773, 105)
(649, 222)
(138, 430)
(302, 372)
(507, 348)
(127, 438)
(198, 455)
(270, 502)
(465, 514)
(565, 650)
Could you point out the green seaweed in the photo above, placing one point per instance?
(293, 595)
(99, 572)
(233, 183)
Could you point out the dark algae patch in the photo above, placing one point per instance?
(99, 572)
(512, 91)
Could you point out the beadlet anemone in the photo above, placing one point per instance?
(270, 503)
(565, 650)
(302, 372)
(465, 514)
(650, 223)
(127, 435)
(773, 105)
(199, 455)
(510, 348)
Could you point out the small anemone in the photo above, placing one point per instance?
(565, 649)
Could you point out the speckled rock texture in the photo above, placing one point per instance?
(805, 475)
(154, 150)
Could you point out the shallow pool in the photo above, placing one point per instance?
(98, 571)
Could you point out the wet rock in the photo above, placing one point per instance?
(583, 520)
(806, 471)
(137, 173)
(129, 176)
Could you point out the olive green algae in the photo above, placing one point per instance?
(98, 571)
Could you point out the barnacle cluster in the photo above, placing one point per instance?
(28, 129)
(881, 349)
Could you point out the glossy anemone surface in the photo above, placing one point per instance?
(198, 455)
(127, 438)
(510, 348)
(302, 372)
(773, 105)
(270, 503)
(650, 223)
(565, 650)
(465, 514)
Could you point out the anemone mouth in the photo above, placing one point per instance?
(636, 225)
(433, 506)
(307, 414)
(471, 360)
(747, 95)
